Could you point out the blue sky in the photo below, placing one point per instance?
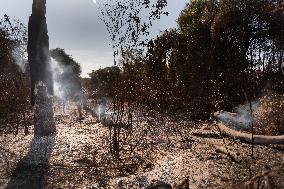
(74, 25)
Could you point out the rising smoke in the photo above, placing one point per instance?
(57, 71)
(20, 58)
(242, 117)
(13, 34)
(67, 86)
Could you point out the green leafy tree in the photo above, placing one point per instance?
(104, 80)
(66, 60)
(221, 54)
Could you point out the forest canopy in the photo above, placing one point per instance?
(222, 54)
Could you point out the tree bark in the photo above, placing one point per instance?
(247, 137)
(38, 48)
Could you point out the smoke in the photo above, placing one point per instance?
(245, 112)
(103, 111)
(241, 118)
(20, 58)
(14, 39)
(57, 71)
(66, 84)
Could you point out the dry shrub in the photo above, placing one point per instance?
(14, 82)
(14, 100)
(14, 94)
(270, 115)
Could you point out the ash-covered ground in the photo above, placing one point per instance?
(77, 156)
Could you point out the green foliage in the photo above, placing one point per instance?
(68, 78)
(66, 60)
(193, 16)
(104, 80)
(222, 54)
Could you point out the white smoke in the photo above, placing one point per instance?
(66, 84)
(20, 58)
(241, 118)
(246, 111)
(57, 71)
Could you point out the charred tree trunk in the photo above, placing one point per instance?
(40, 70)
(44, 116)
(38, 48)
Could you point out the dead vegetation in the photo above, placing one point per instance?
(168, 153)
(270, 115)
(143, 144)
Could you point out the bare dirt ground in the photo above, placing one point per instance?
(78, 157)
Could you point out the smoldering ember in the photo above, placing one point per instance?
(159, 94)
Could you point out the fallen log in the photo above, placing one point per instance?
(246, 137)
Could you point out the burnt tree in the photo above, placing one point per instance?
(38, 48)
(40, 70)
